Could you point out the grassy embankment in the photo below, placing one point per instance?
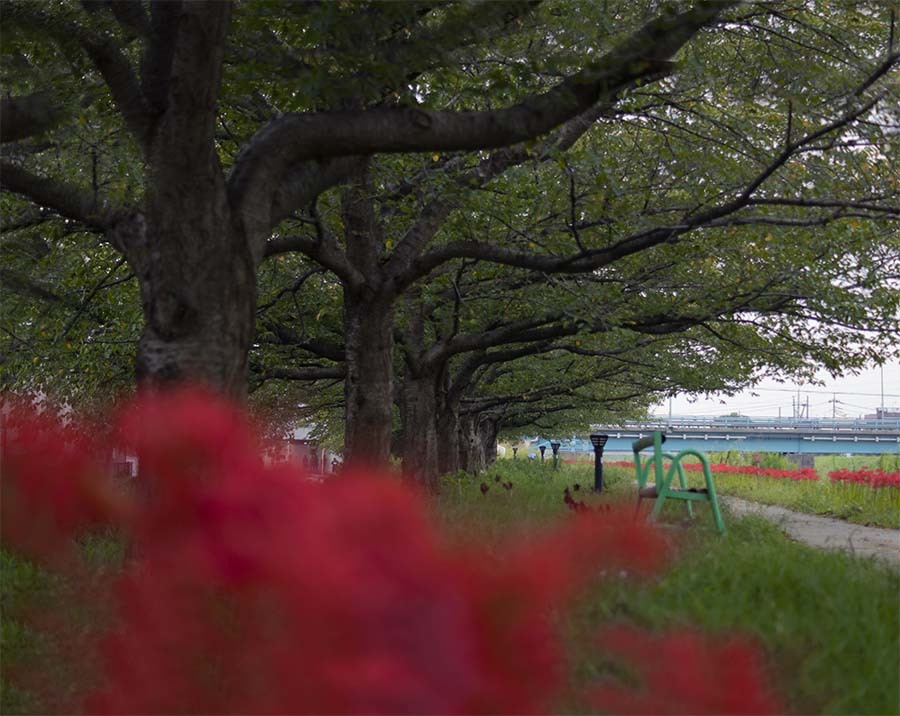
(828, 622)
(855, 503)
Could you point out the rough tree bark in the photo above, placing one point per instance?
(197, 276)
(478, 444)
(420, 431)
(448, 428)
(197, 299)
(368, 330)
(368, 387)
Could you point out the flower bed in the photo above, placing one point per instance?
(875, 479)
(723, 469)
(863, 496)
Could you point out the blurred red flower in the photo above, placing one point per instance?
(255, 590)
(53, 482)
(685, 672)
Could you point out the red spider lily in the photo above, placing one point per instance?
(278, 595)
(805, 473)
(256, 590)
(53, 483)
(722, 468)
(875, 479)
(185, 436)
(685, 673)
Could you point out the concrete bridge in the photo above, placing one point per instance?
(718, 434)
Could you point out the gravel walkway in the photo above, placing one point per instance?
(824, 532)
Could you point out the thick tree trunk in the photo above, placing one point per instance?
(368, 388)
(420, 435)
(198, 309)
(488, 429)
(192, 257)
(469, 454)
(478, 442)
(448, 430)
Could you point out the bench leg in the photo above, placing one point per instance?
(717, 515)
(683, 481)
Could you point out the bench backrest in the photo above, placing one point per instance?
(655, 461)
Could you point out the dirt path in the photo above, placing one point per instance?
(824, 532)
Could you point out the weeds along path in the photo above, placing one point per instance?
(824, 532)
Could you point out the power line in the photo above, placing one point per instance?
(822, 392)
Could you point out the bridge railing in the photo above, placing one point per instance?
(748, 423)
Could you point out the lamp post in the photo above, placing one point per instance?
(555, 448)
(542, 448)
(598, 441)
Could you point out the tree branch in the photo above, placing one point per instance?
(293, 288)
(28, 116)
(635, 243)
(331, 257)
(103, 52)
(305, 182)
(294, 138)
(310, 373)
(436, 212)
(68, 200)
(288, 336)
(156, 65)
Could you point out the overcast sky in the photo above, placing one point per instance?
(856, 395)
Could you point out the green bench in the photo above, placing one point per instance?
(661, 489)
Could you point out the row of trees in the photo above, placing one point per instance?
(431, 222)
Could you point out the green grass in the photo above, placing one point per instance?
(828, 622)
(48, 624)
(24, 587)
(826, 463)
(855, 503)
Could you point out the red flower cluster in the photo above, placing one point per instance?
(53, 483)
(873, 478)
(255, 590)
(685, 673)
(805, 473)
(620, 463)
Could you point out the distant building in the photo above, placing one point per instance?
(300, 449)
(884, 414)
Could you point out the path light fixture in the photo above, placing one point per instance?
(542, 448)
(555, 448)
(598, 440)
(515, 453)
